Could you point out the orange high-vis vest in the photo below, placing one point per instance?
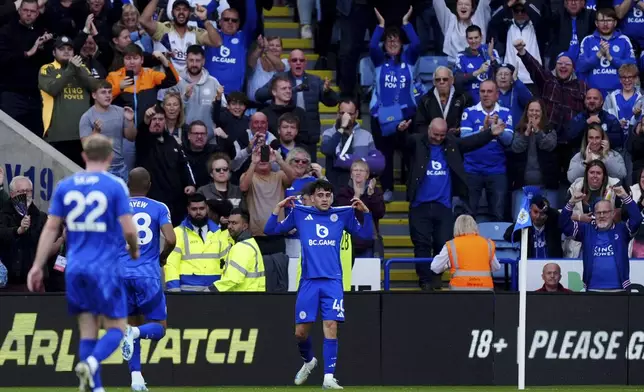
(470, 257)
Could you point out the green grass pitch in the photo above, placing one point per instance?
(350, 388)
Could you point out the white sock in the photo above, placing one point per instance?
(136, 332)
(137, 378)
(328, 375)
(101, 389)
(93, 364)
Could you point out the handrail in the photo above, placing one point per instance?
(389, 262)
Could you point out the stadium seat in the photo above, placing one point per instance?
(425, 68)
(494, 230)
(367, 75)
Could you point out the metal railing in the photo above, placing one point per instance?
(513, 273)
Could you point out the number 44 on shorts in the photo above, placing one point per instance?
(338, 305)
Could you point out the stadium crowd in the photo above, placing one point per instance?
(532, 93)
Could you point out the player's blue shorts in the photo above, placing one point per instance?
(323, 294)
(97, 293)
(145, 296)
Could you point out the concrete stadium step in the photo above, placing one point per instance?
(297, 43)
(327, 109)
(324, 74)
(393, 230)
(278, 12)
(311, 59)
(397, 241)
(282, 29)
(398, 206)
(399, 253)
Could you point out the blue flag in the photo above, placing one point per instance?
(523, 219)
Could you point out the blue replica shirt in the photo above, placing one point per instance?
(437, 183)
(295, 190)
(149, 216)
(591, 5)
(467, 63)
(227, 63)
(515, 99)
(540, 249)
(321, 236)
(605, 274)
(625, 107)
(489, 159)
(91, 204)
(601, 73)
(633, 23)
(573, 49)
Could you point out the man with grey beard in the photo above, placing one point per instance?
(604, 242)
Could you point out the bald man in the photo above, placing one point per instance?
(551, 276)
(256, 135)
(436, 175)
(594, 113)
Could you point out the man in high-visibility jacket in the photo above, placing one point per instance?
(197, 260)
(470, 257)
(244, 268)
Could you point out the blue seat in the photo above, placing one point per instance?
(367, 74)
(426, 66)
(494, 230)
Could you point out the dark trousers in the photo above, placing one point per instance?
(312, 149)
(429, 32)
(324, 32)
(388, 145)
(496, 192)
(431, 225)
(271, 244)
(72, 149)
(352, 31)
(26, 109)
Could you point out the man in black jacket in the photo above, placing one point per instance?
(282, 94)
(430, 189)
(442, 101)
(198, 152)
(21, 223)
(160, 154)
(574, 17)
(544, 236)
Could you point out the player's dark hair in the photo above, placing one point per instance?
(473, 28)
(241, 212)
(139, 181)
(308, 189)
(320, 184)
(196, 49)
(196, 198)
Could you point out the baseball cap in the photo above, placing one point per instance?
(508, 66)
(181, 2)
(63, 41)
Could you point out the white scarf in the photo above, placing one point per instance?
(529, 36)
(445, 110)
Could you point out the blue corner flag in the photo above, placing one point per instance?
(523, 219)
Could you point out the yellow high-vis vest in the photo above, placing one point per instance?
(244, 269)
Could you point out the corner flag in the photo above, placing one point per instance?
(523, 219)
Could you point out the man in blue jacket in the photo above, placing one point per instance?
(605, 243)
(475, 64)
(594, 113)
(602, 53)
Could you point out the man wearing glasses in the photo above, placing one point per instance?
(198, 152)
(602, 53)
(442, 101)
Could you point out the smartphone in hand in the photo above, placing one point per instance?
(265, 152)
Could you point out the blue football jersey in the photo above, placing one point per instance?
(149, 216)
(91, 204)
(321, 234)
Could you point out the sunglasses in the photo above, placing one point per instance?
(298, 60)
(234, 20)
(441, 79)
(221, 169)
(300, 160)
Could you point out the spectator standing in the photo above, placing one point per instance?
(305, 10)
(621, 102)
(289, 126)
(596, 146)
(442, 101)
(636, 247)
(65, 86)
(265, 61)
(631, 13)
(476, 63)
(605, 243)
(88, 50)
(197, 259)
(594, 113)
(436, 174)
(602, 53)
(513, 94)
(199, 90)
(220, 188)
(21, 223)
(22, 54)
(105, 14)
(309, 90)
(520, 19)
(568, 27)
(429, 30)
(231, 120)
(454, 25)
(551, 276)
(115, 122)
(176, 36)
(636, 148)
(534, 160)
(256, 135)
(470, 258)
(392, 105)
(486, 167)
(544, 236)
(265, 188)
(281, 104)
(347, 142)
(175, 117)
(130, 20)
(363, 188)
(227, 61)
(198, 152)
(160, 154)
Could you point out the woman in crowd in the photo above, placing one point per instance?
(306, 172)
(361, 187)
(266, 62)
(220, 188)
(453, 26)
(636, 247)
(636, 147)
(513, 94)
(534, 157)
(130, 20)
(595, 146)
(175, 115)
(392, 105)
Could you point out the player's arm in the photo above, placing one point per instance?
(364, 230)
(273, 226)
(131, 237)
(47, 240)
(170, 242)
